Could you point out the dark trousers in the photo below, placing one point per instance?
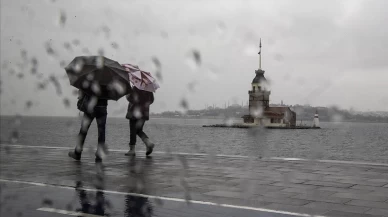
(136, 129)
(100, 114)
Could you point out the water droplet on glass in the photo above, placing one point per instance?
(75, 92)
(221, 28)
(100, 62)
(118, 86)
(66, 102)
(23, 53)
(184, 104)
(42, 85)
(257, 112)
(85, 84)
(279, 57)
(85, 50)
(158, 68)
(12, 71)
(137, 114)
(14, 136)
(193, 59)
(62, 64)
(76, 42)
(49, 50)
(114, 45)
(211, 73)
(62, 18)
(20, 75)
(191, 86)
(67, 46)
(79, 65)
(34, 61)
(56, 84)
(92, 103)
(28, 104)
(164, 34)
(106, 31)
(96, 89)
(229, 122)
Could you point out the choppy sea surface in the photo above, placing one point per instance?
(335, 141)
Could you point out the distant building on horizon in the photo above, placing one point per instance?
(260, 112)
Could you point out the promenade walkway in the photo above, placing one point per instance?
(43, 181)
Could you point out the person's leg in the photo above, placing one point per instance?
(132, 137)
(85, 124)
(144, 137)
(101, 116)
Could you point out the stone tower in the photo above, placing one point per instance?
(258, 95)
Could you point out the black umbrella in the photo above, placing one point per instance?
(99, 76)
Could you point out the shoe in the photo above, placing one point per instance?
(131, 151)
(150, 148)
(75, 155)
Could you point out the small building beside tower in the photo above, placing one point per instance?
(260, 113)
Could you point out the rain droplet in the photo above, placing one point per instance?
(56, 83)
(50, 51)
(66, 102)
(164, 34)
(191, 86)
(79, 65)
(23, 53)
(229, 122)
(62, 64)
(221, 28)
(194, 59)
(114, 45)
(85, 50)
(211, 73)
(118, 86)
(85, 84)
(158, 68)
(100, 62)
(76, 42)
(14, 136)
(279, 57)
(34, 61)
(29, 104)
(67, 46)
(42, 86)
(96, 88)
(20, 75)
(100, 52)
(62, 18)
(106, 31)
(75, 92)
(92, 103)
(184, 104)
(257, 112)
(137, 114)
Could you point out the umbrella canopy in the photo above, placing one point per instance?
(141, 79)
(99, 76)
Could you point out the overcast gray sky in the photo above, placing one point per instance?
(321, 53)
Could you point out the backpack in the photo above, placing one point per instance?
(82, 103)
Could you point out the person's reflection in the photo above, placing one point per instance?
(90, 205)
(137, 206)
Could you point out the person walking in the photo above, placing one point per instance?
(138, 114)
(93, 108)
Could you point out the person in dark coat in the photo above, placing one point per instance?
(93, 108)
(138, 113)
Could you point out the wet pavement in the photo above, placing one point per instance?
(43, 181)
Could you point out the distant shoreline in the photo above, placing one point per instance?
(304, 121)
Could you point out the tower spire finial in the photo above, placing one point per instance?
(260, 55)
